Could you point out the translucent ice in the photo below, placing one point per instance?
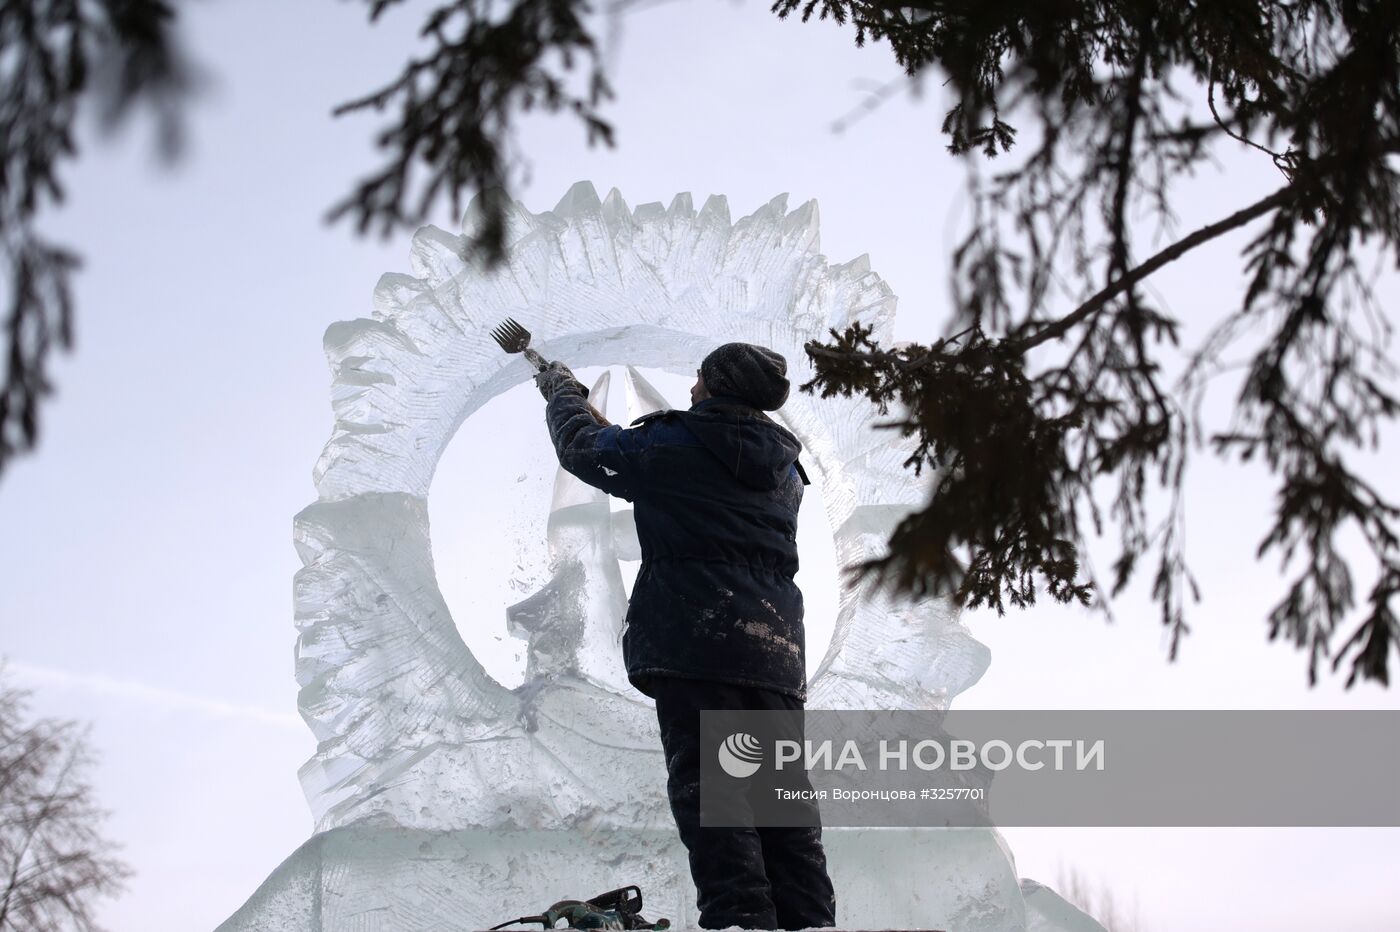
(442, 797)
(1047, 911)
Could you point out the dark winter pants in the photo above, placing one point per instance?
(755, 878)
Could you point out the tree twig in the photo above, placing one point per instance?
(1170, 254)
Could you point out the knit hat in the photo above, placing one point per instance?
(754, 374)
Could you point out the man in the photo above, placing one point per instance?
(715, 618)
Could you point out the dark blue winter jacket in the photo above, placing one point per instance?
(715, 492)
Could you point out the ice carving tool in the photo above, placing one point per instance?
(616, 909)
(514, 338)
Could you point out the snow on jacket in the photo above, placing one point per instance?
(715, 492)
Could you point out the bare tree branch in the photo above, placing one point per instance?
(1170, 254)
(55, 862)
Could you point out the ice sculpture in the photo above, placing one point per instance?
(443, 799)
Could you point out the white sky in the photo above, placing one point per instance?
(146, 552)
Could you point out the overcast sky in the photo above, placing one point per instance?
(146, 549)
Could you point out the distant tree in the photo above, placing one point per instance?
(1098, 901)
(1051, 386)
(53, 860)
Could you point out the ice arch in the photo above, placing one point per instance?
(388, 687)
(427, 769)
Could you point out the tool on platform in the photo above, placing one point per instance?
(616, 909)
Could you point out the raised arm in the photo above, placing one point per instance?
(601, 454)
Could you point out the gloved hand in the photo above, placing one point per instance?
(554, 377)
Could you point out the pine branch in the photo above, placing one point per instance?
(1170, 254)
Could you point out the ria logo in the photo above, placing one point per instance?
(740, 755)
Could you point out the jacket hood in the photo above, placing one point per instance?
(758, 451)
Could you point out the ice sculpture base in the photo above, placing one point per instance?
(387, 879)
